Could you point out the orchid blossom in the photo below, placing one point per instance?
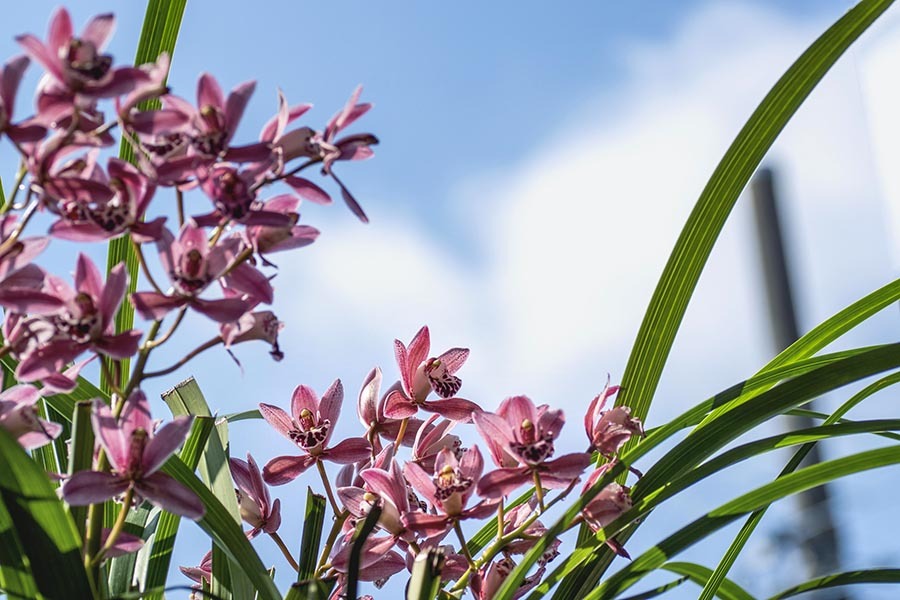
(135, 453)
(310, 426)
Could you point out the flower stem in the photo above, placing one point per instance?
(186, 359)
(117, 527)
(402, 432)
(329, 543)
(284, 550)
(539, 490)
(20, 177)
(179, 200)
(324, 475)
(463, 546)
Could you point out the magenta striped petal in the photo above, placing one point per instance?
(277, 418)
(503, 482)
(398, 406)
(420, 480)
(330, 405)
(165, 443)
(455, 409)
(349, 451)
(90, 487)
(168, 494)
(284, 469)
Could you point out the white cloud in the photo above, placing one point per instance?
(570, 242)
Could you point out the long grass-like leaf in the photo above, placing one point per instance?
(45, 531)
(699, 574)
(158, 34)
(839, 579)
(737, 545)
(312, 535)
(363, 531)
(765, 495)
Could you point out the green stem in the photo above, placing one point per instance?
(284, 550)
(324, 475)
(117, 527)
(463, 546)
(539, 490)
(329, 543)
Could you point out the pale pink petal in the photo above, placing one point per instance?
(240, 472)
(278, 419)
(349, 451)
(165, 442)
(284, 469)
(248, 279)
(91, 487)
(170, 495)
(481, 510)
(330, 404)
(308, 190)
(455, 409)
(274, 520)
(353, 499)
(60, 30)
(113, 292)
(123, 345)
(35, 439)
(389, 485)
(502, 482)
(98, 30)
(420, 480)
(454, 358)
(367, 406)
(224, 310)
(153, 306)
(36, 49)
(209, 93)
(10, 77)
(389, 563)
(136, 415)
(304, 398)
(427, 525)
(124, 544)
(235, 105)
(418, 350)
(520, 409)
(551, 422)
(471, 464)
(398, 406)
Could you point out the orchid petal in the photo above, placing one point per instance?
(284, 469)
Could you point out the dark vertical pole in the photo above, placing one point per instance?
(815, 523)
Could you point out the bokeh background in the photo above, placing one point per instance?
(537, 162)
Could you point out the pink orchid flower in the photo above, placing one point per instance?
(202, 573)
(21, 282)
(371, 414)
(75, 63)
(10, 78)
(256, 506)
(192, 267)
(607, 506)
(419, 375)
(288, 146)
(135, 453)
(266, 239)
(448, 491)
(608, 430)
(103, 207)
(377, 561)
(310, 426)
(85, 322)
(125, 543)
(323, 146)
(386, 488)
(431, 439)
(259, 325)
(525, 433)
(487, 581)
(234, 199)
(19, 417)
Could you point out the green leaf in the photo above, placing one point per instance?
(313, 589)
(243, 416)
(82, 454)
(489, 530)
(167, 527)
(225, 532)
(839, 579)
(699, 445)
(16, 579)
(44, 529)
(658, 591)
(158, 34)
(765, 495)
(425, 580)
(749, 526)
(694, 245)
(363, 531)
(313, 522)
(186, 398)
(699, 574)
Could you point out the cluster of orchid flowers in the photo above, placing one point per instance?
(441, 484)
(211, 261)
(214, 264)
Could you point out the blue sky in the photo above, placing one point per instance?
(536, 165)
